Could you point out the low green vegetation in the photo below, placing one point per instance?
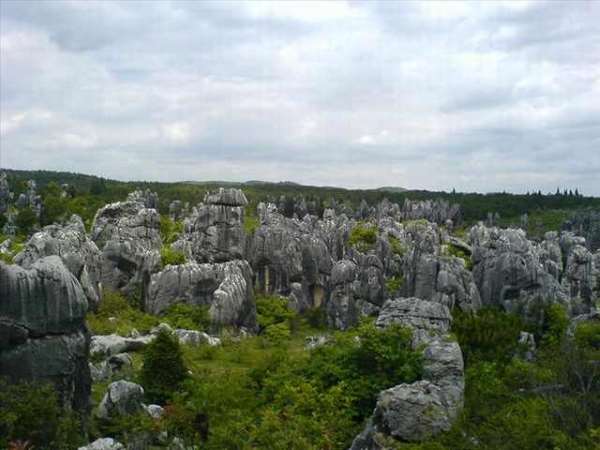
(170, 256)
(397, 247)
(169, 229)
(30, 413)
(188, 317)
(16, 245)
(363, 237)
(393, 284)
(458, 252)
(116, 314)
(251, 222)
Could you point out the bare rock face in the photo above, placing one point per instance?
(509, 272)
(226, 288)
(42, 329)
(586, 224)
(122, 398)
(420, 410)
(578, 273)
(5, 194)
(79, 254)
(215, 230)
(104, 444)
(128, 235)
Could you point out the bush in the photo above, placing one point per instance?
(190, 317)
(363, 237)
(271, 310)
(26, 220)
(169, 230)
(31, 412)
(364, 362)
(393, 284)
(458, 252)
(163, 370)
(488, 335)
(169, 256)
(397, 247)
(116, 315)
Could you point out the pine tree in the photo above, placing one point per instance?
(163, 371)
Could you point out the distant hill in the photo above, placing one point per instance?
(392, 189)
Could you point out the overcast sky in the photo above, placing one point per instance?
(473, 96)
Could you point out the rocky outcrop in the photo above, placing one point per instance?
(509, 272)
(5, 194)
(127, 233)
(420, 410)
(31, 199)
(587, 224)
(79, 254)
(225, 288)
(215, 230)
(104, 444)
(122, 398)
(106, 369)
(42, 330)
(113, 344)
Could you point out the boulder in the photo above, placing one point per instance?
(192, 337)
(113, 344)
(122, 398)
(225, 288)
(79, 254)
(43, 336)
(104, 444)
(128, 235)
(215, 230)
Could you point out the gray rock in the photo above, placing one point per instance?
(128, 235)
(527, 344)
(423, 316)
(215, 230)
(104, 444)
(5, 194)
(122, 398)
(226, 288)
(578, 273)
(43, 336)
(113, 344)
(195, 338)
(79, 254)
(155, 411)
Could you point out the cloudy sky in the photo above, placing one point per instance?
(473, 96)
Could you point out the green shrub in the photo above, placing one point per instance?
(363, 237)
(271, 310)
(31, 412)
(488, 335)
(169, 230)
(251, 223)
(169, 256)
(458, 252)
(26, 220)
(393, 284)
(277, 333)
(397, 247)
(163, 369)
(364, 362)
(190, 317)
(116, 314)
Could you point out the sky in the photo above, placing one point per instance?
(475, 96)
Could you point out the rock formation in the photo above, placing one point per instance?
(420, 410)
(5, 194)
(42, 330)
(79, 254)
(127, 233)
(215, 230)
(225, 288)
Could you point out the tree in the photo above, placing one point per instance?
(26, 220)
(163, 371)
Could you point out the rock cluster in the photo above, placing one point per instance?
(215, 230)
(79, 254)
(31, 199)
(42, 330)
(128, 235)
(226, 288)
(5, 194)
(417, 411)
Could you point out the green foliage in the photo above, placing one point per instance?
(453, 250)
(25, 220)
(364, 362)
(189, 317)
(169, 256)
(275, 318)
(363, 237)
(397, 247)
(251, 223)
(393, 284)
(117, 315)
(163, 370)
(31, 412)
(169, 230)
(554, 325)
(488, 335)
(16, 245)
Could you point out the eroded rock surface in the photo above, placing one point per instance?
(42, 330)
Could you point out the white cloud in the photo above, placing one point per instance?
(477, 96)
